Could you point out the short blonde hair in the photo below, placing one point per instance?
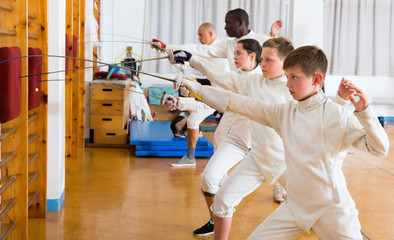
(283, 46)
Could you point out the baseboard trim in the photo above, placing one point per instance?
(55, 204)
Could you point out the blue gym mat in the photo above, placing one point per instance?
(156, 139)
(145, 153)
(172, 148)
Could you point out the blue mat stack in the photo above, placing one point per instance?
(155, 139)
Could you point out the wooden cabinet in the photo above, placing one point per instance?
(109, 111)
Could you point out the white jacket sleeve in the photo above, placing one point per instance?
(270, 115)
(337, 99)
(228, 80)
(190, 104)
(215, 97)
(366, 133)
(215, 50)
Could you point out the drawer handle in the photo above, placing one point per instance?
(110, 134)
(107, 104)
(107, 90)
(106, 119)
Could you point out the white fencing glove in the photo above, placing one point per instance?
(177, 82)
(193, 86)
(184, 92)
(187, 104)
(158, 45)
(169, 102)
(178, 56)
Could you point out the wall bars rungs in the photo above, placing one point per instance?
(9, 230)
(7, 133)
(32, 137)
(32, 157)
(32, 197)
(7, 158)
(33, 117)
(6, 7)
(8, 183)
(7, 32)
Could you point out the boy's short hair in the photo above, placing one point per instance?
(252, 45)
(310, 59)
(283, 46)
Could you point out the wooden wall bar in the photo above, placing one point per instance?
(13, 16)
(37, 193)
(81, 96)
(24, 24)
(78, 87)
(75, 87)
(69, 86)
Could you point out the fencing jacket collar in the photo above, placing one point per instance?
(313, 101)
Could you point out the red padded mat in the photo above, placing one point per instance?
(75, 48)
(10, 83)
(66, 52)
(35, 67)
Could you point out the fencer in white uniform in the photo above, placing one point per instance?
(231, 150)
(265, 161)
(316, 133)
(206, 36)
(202, 110)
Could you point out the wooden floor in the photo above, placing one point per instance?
(111, 194)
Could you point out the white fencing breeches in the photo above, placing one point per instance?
(195, 118)
(339, 222)
(230, 152)
(242, 181)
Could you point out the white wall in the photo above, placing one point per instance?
(306, 22)
(56, 101)
(120, 20)
(91, 27)
(121, 17)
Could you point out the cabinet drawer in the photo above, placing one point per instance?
(117, 122)
(104, 92)
(110, 136)
(108, 107)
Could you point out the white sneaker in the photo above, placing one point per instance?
(178, 135)
(184, 162)
(280, 193)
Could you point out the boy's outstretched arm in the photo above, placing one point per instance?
(224, 100)
(232, 81)
(372, 138)
(217, 99)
